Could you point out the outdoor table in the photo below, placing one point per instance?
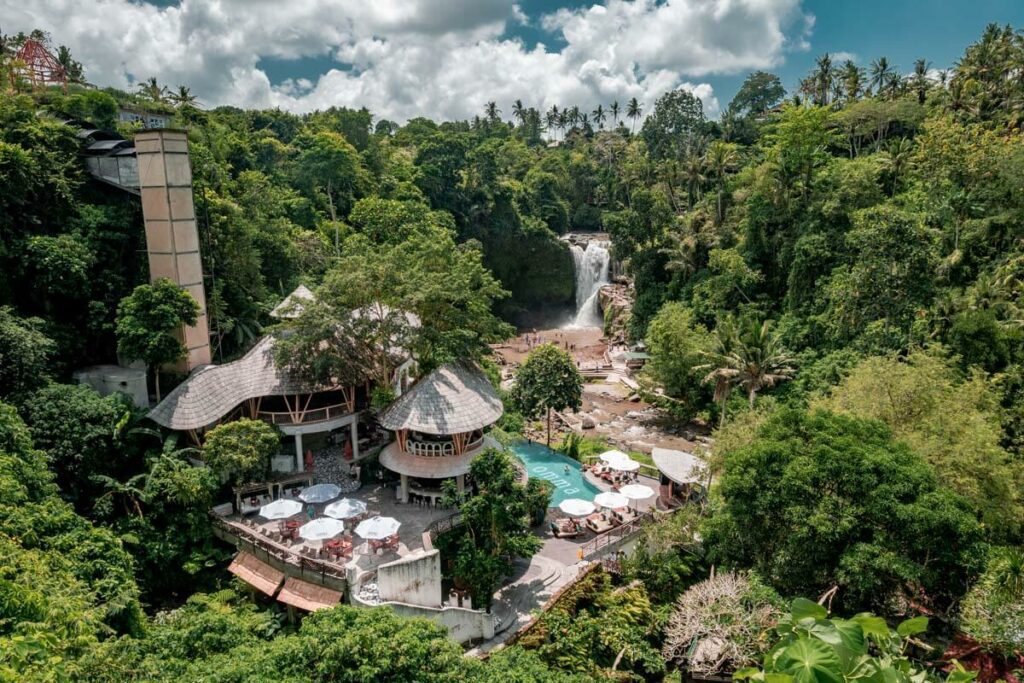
(291, 527)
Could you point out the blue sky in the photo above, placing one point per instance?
(446, 58)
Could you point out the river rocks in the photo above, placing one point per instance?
(587, 422)
(616, 301)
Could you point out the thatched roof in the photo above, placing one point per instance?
(212, 392)
(256, 573)
(679, 466)
(291, 307)
(453, 399)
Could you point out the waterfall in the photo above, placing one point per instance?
(591, 266)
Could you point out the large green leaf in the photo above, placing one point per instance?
(803, 609)
(810, 661)
(911, 627)
(873, 627)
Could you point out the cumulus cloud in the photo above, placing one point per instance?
(406, 58)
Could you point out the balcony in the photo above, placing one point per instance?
(439, 449)
(309, 416)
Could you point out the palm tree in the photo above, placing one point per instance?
(519, 111)
(552, 117)
(755, 361)
(153, 90)
(563, 121)
(718, 366)
(919, 81)
(693, 169)
(574, 116)
(599, 116)
(681, 253)
(822, 78)
(492, 112)
(880, 72)
(633, 111)
(719, 159)
(183, 97)
(584, 121)
(614, 109)
(852, 77)
(896, 159)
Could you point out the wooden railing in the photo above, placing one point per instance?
(306, 417)
(437, 449)
(598, 545)
(279, 556)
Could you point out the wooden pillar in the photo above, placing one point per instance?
(299, 464)
(460, 483)
(404, 491)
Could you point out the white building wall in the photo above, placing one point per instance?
(414, 579)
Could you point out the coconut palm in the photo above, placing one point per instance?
(599, 116)
(153, 90)
(492, 112)
(719, 365)
(919, 81)
(880, 73)
(633, 111)
(693, 171)
(183, 97)
(614, 109)
(852, 78)
(519, 112)
(822, 78)
(131, 493)
(752, 358)
(720, 158)
(682, 253)
(552, 118)
(895, 160)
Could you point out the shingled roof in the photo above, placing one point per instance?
(453, 399)
(212, 392)
(291, 307)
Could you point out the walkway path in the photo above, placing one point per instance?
(515, 604)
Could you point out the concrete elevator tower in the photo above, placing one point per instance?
(172, 237)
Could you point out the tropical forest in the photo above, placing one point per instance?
(787, 333)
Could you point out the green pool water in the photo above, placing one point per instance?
(543, 463)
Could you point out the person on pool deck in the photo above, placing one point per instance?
(567, 469)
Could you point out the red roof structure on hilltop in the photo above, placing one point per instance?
(39, 67)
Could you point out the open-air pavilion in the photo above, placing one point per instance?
(439, 426)
(682, 474)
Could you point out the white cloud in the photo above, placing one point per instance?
(842, 56)
(405, 58)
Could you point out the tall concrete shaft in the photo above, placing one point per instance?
(172, 237)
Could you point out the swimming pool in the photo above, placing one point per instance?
(543, 463)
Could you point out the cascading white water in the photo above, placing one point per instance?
(591, 266)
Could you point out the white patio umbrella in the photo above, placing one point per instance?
(345, 508)
(377, 528)
(282, 508)
(610, 499)
(613, 456)
(320, 493)
(636, 491)
(320, 529)
(627, 465)
(576, 507)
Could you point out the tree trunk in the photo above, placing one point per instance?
(156, 382)
(753, 393)
(549, 427)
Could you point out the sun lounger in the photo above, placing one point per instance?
(598, 525)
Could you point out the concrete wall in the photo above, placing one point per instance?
(172, 237)
(108, 379)
(414, 579)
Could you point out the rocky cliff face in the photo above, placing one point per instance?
(616, 301)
